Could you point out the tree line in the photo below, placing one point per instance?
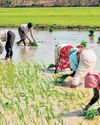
(21, 3)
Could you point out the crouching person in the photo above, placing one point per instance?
(7, 37)
(23, 31)
(61, 57)
(92, 80)
(86, 59)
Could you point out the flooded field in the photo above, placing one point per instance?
(44, 53)
(29, 95)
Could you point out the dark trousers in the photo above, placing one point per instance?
(22, 36)
(9, 44)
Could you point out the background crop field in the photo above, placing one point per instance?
(70, 16)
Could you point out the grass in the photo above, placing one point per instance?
(64, 16)
(28, 95)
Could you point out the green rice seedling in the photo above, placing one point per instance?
(7, 105)
(51, 66)
(65, 103)
(36, 70)
(34, 43)
(20, 112)
(65, 106)
(37, 110)
(84, 94)
(3, 120)
(62, 78)
(38, 113)
(32, 93)
(9, 73)
(49, 114)
(50, 29)
(60, 120)
(91, 32)
(98, 40)
(84, 43)
(72, 95)
(81, 123)
(26, 102)
(90, 114)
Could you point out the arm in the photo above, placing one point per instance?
(27, 37)
(32, 35)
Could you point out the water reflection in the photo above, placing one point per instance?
(91, 39)
(27, 53)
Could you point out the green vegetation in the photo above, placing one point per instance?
(98, 40)
(91, 32)
(90, 114)
(51, 66)
(59, 16)
(50, 29)
(84, 43)
(34, 43)
(28, 95)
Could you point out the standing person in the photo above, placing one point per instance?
(92, 80)
(8, 37)
(23, 30)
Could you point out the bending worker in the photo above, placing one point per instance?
(23, 30)
(7, 38)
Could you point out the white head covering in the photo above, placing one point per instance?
(1, 47)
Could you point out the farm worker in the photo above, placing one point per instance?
(87, 60)
(72, 60)
(23, 30)
(61, 56)
(74, 57)
(92, 80)
(7, 38)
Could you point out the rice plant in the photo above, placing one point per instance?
(28, 95)
(90, 114)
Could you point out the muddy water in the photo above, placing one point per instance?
(44, 53)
